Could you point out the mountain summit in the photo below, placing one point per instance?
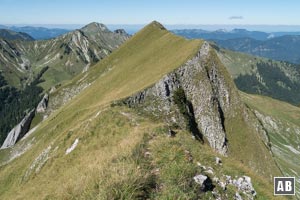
(157, 24)
(94, 27)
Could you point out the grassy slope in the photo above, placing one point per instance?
(238, 63)
(134, 72)
(257, 75)
(285, 139)
(108, 161)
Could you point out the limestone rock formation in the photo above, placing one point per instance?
(121, 32)
(204, 182)
(42, 106)
(244, 184)
(18, 131)
(209, 94)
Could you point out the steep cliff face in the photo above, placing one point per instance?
(205, 87)
(214, 104)
(42, 106)
(18, 131)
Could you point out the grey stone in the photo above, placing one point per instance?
(244, 185)
(209, 171)
(205, 87)
(218, 161)
(205, 182)
(200, 179)
(42, 106)
(18, 131)
(237, 196)
(216, 179)
(52, 90)
(222, 185)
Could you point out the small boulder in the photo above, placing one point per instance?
(209, 171)
(244, 185)
(171, 133)
(218, 161)
(215, 179)
(52, 90)
(204, 182)
(200, 179)
(147, 154)
(222, 185)
(228, 179)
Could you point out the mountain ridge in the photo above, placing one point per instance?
(284, 48)
(12, 35)
(263, 76)
(27, 58)
(31, 68)
(92, 136)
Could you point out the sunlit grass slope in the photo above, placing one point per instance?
(282, 122)
(140, 62)
(120, 153)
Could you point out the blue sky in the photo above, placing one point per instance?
(273, 12)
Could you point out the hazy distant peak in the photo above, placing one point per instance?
(222, 30)
(120, 31)
(95, 26)
(239, 30)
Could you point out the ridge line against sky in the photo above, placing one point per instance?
(269, 12)
(263, 15)
(132, 28)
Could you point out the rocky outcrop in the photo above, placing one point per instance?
(122, 32)
(42, 106)
(18, 131)
(241, 185)
(204, 182)
(208, 91)
(244, 185)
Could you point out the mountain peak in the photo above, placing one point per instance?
(95, 26)
(120, 31)
(157, 25)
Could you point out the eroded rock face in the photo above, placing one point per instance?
(207, 90)
(18, 131)
(42, 106)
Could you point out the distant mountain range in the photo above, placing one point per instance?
(284, 48)
(278, 45)
(38, 33)
(12, 35)
(223, 34)
(66, 55)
